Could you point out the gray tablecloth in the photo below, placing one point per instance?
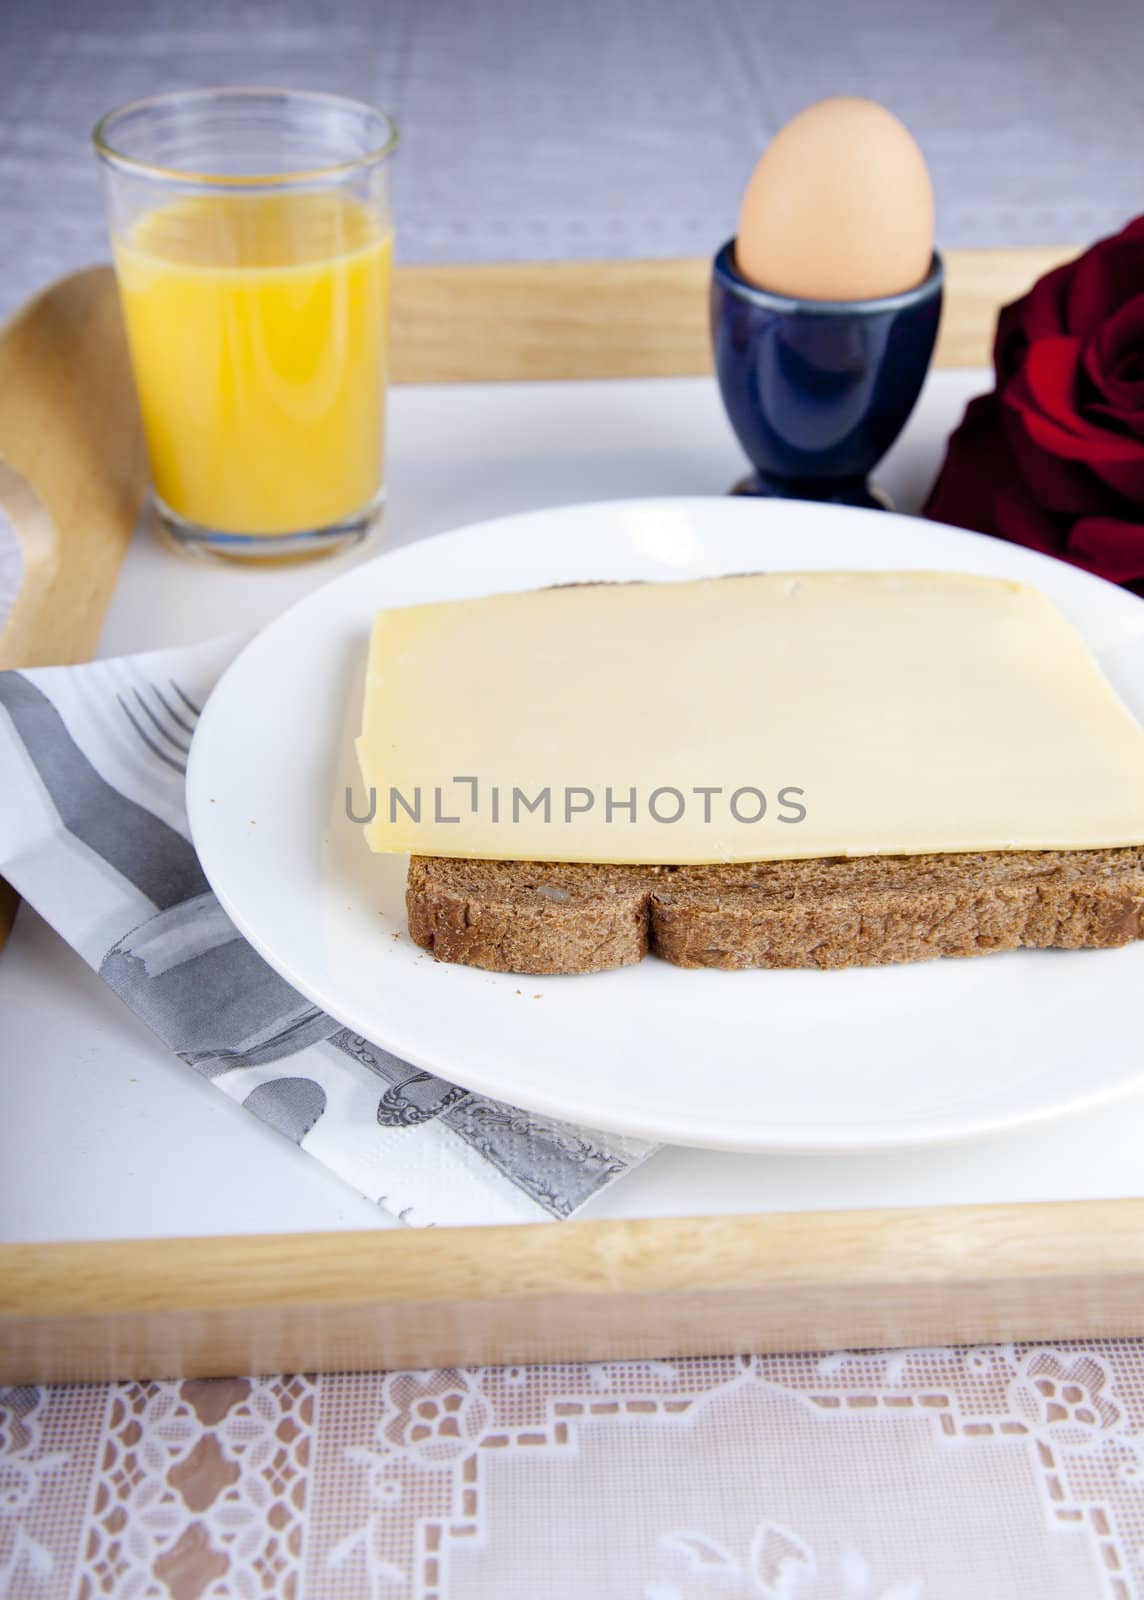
(597, 127)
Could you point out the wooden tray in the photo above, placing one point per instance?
(71, 478)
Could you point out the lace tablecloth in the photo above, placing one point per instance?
(997, 1472)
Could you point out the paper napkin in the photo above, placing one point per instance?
(94, 835)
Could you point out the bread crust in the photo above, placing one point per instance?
(547, 918)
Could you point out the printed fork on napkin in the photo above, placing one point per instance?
(94, 835)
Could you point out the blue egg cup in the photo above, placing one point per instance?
(818, 390)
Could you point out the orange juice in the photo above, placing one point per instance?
(258, 327)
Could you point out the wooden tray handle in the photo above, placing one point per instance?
(72, 471)
(39, 542)
(38, 538)
(75, 473)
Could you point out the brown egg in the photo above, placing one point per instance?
(840, 207)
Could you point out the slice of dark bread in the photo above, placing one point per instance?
(544, 918)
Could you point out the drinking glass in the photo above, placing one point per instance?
(252, 237)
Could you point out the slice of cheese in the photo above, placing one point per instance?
(745, 719)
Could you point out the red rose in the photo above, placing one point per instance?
(1054, 457)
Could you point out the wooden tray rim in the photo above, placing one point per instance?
(578, 1290)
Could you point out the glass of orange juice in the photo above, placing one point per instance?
(253, 242)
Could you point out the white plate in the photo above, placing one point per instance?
(754, 1060)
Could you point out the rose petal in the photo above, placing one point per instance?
(1072, 299)
(1043, 308)
(1049, 382)
(1063, 487)
(1093, 544)
(1112, 548)
(1114, 353)
(1037, 315)
(1113, 362)
(1106, 275)
(1021, 519)
(977, 459)
(1054, 458)
(1117, 419)
(980, 487)
(1043, 395)
(1121, 470)
(1059, 480)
